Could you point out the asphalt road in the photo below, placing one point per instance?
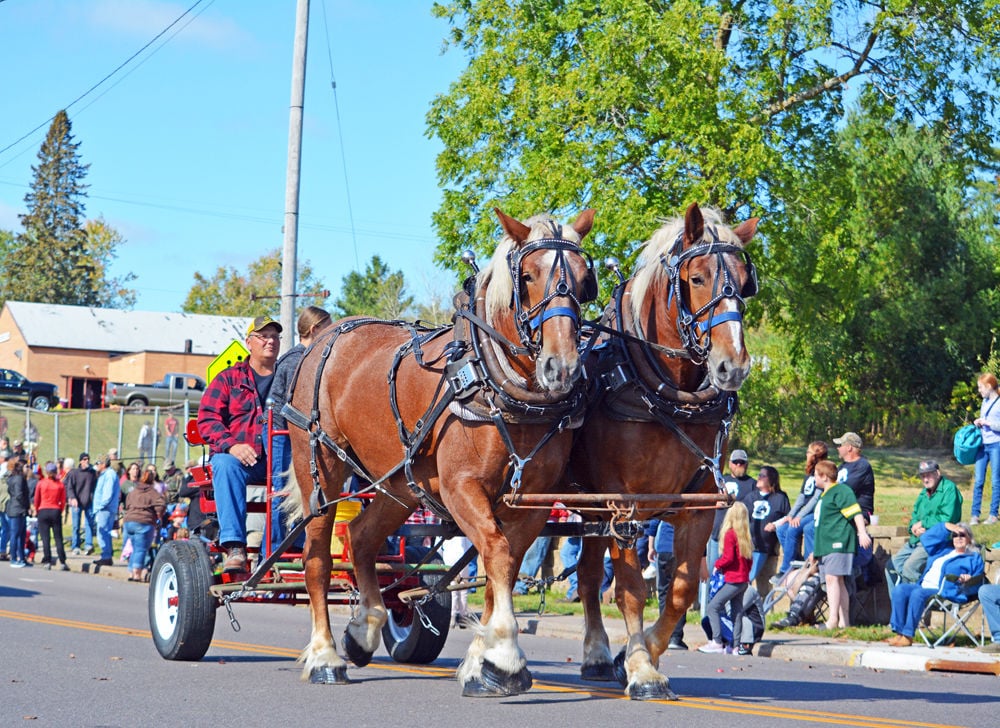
(76, 651)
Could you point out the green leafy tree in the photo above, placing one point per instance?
(377, 292)
(639, 107)
(230, 292)
(60, 257)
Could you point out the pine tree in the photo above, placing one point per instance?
(59, 257)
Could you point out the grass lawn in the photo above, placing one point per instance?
(896, 489)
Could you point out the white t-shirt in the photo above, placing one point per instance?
(932, 579)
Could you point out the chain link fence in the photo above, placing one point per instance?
(60, 434)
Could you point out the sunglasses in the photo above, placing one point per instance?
(738, 462)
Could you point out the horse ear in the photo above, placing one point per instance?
(517, 230)
(694, 224)
(746, 230)
(584, 222)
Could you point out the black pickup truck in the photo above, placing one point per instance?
(15, 387)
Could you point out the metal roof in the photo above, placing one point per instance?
(117, 331)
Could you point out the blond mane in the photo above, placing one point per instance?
(648, 269)
(495, 276)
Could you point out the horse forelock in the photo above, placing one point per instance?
(648, 268)
(496, 277)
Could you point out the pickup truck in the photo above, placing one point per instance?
(174, 389)
(15, 387)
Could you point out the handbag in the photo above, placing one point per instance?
(969, 441)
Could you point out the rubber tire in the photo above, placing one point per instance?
(40, 403)
(183, 570)
(406, 639)
(137, 403)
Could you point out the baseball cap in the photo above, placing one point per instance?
(83, 456)
(740, 455)
(169, 465)
(51, 468)
(927, 466)
(850, 438)
(260, 322)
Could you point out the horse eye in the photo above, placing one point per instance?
(526, 278)
(697, 281)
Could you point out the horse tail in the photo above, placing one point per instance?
(292, 504)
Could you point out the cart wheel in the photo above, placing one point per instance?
(407, 639)
(181, 608)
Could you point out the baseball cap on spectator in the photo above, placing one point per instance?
(927, 466)
(739, 456)
(84, 456)
(169, 465)
(17, 443)
(51, 468)
(260, 322)
(850, 438)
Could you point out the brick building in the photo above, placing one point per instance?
(80, 349)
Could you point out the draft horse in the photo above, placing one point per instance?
(672, 359)
(454, 418)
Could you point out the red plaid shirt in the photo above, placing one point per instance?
(231, 412)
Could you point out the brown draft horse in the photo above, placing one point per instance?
(530, 292)
(682, 358)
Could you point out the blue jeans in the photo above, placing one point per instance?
(4, 531)
(789, 536)
(230, 478)
(531, 564)
(170, 449)
(569, 554)
(989, 455)
(989, 597)
(88, 518)
(105, 520)
(908, 601)
(142, 536)
(18, 535)
(281, 461)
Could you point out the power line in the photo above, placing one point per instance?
(340, 136)
(101, 82)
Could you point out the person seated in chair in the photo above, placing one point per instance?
(939, 502)
(231, 421)
(951, 553)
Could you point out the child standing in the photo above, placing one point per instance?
(837, 516)
(734, 565)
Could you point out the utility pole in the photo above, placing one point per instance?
(289, 263)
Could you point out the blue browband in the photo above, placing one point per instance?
(552, 313)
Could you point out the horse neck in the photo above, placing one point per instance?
(658, 323)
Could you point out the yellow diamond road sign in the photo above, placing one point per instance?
(237, 351)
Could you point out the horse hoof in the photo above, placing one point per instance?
(476, 689)
(652, 691)
(502, 683)
(619, 669)
(329, 676)
(598, 672)
(355, 653)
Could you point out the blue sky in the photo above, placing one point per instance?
(188, 143)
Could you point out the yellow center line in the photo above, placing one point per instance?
(715, 705)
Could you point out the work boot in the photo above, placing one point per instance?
(236, 560)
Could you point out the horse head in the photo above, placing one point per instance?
(535, 285)
(708, 276)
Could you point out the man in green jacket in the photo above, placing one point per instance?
(938, 502)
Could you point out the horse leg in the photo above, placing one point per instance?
(494, 665)
(322, 664)
(368, 533)
(597, 663)
(643, 681)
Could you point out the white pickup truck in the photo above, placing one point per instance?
(173, 389)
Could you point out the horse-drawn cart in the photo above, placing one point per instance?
(188, 586)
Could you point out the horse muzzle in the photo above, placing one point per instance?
(727, 374)
(558, 374)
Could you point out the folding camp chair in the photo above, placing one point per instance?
(959, 614)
